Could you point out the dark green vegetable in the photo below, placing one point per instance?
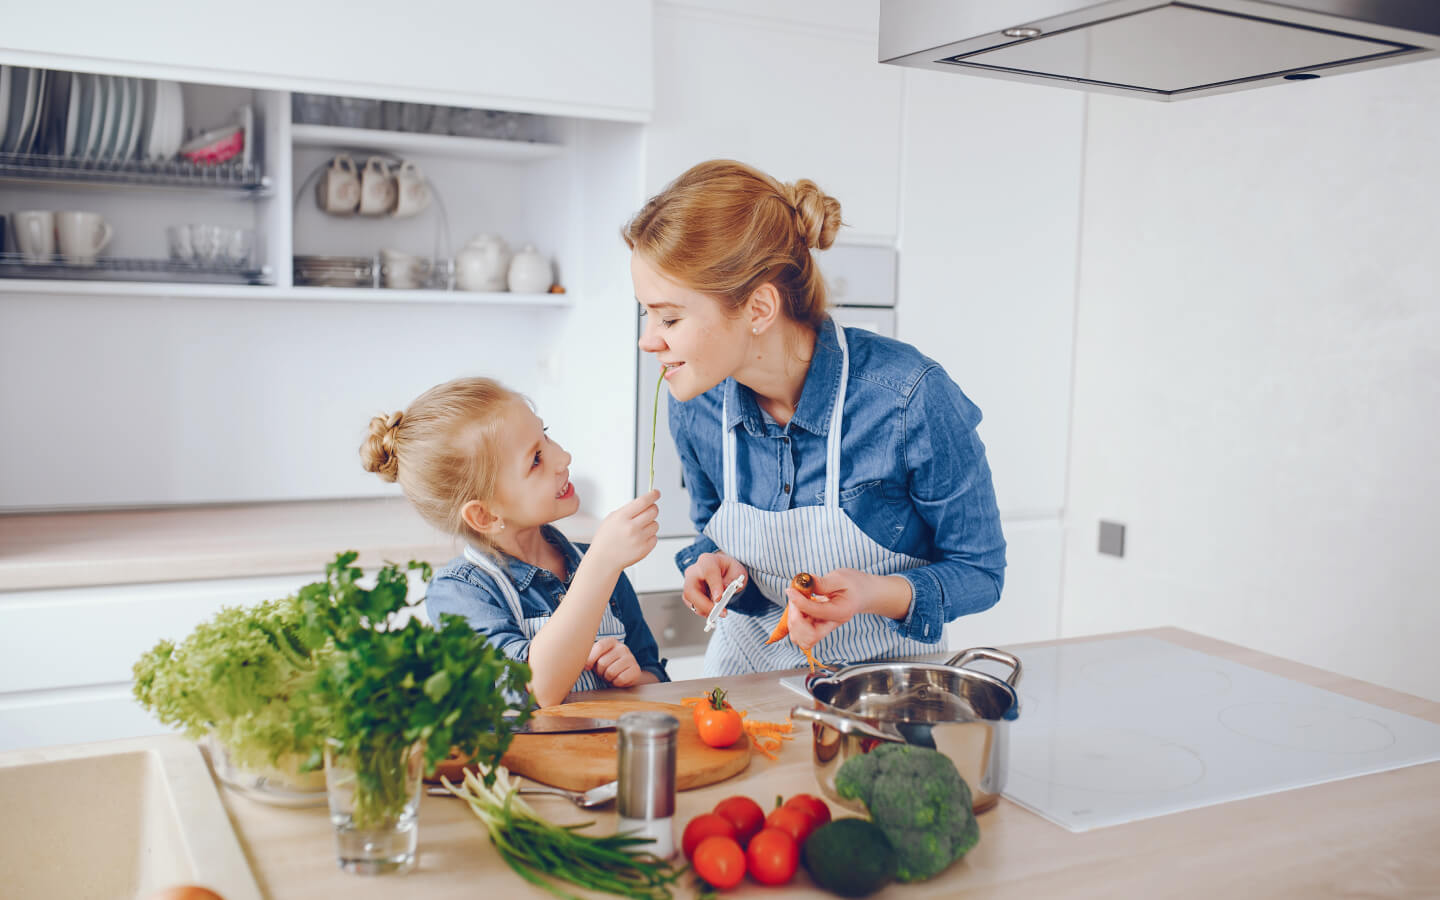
(655, 420)
(386, 686)
(542, 853)
(850, 857)
(919, 800)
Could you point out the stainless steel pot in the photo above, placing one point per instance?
(963, 713)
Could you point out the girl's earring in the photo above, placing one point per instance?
(502, 526)
(754, 331)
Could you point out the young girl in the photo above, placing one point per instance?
(475, 460)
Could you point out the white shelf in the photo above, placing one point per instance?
(407, 142)
(59, 287)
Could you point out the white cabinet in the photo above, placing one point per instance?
(796, 99)
(566, 57)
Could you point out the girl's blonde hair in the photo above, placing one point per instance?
(724, 228)
(442, 450)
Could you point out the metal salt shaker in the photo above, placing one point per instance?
(646, 795)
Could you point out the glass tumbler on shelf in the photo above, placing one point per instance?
(356, 112)
(374, 807)
(310, 109)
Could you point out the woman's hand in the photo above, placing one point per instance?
(839, 596)
(612, 660)
(627, 535)
(706, 580)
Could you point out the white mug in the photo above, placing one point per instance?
(34, 234)
(377, 188)
(82, 236)
(338, 190)
(412, 190)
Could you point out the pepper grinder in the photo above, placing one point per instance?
(646, 794)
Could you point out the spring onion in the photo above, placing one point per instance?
(542, 853)
(654, 421)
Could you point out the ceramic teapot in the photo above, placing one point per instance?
(530, 272)
(483, 264)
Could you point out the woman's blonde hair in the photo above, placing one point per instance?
(442, 450)
(724, 228)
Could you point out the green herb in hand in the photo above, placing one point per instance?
(654, 421)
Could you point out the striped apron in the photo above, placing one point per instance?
(610, 624)
(774, 546)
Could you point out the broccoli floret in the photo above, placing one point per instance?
(919, 800)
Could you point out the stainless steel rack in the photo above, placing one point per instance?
(171, 173)
(119, 268)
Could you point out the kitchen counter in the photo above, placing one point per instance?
(75, 549)
(1371, 836)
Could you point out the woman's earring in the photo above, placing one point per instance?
(502, 526)
(754, 331)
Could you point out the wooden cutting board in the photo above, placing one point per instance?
(580, 762)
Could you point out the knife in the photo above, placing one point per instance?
(562, 725)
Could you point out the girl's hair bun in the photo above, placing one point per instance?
(378, 453)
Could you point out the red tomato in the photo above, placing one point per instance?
(794, 822)
(745, 814)
(720, 862)
(772, 856)
(812, 806)
(718, 727)
(703, 826)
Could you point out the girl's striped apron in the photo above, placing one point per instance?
(774, 546)
(610, 624)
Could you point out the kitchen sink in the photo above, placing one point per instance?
(119, 819)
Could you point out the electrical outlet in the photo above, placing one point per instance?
(1112, 538)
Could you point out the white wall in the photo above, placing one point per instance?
(1257, 372)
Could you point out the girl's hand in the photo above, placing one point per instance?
(706, 580)
(840, 596)
(612, 660)
(627, 535)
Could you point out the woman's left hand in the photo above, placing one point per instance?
(840, 595)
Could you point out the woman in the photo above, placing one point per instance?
(805, 446)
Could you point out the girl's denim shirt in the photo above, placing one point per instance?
(463, 589)
(913, 473)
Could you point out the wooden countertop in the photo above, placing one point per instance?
(1375, 835)
(74, 549)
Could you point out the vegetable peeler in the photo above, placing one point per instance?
(731, 590)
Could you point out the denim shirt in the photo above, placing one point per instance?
(462, 588)
(913, 474)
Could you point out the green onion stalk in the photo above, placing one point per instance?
(542, 853)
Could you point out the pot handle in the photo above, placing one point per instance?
(847, 724)
(961, 659)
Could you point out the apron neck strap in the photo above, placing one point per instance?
(512, 597)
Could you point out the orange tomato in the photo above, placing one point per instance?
(720, 862)
(703, 826)
(772, 857)
(717, 721)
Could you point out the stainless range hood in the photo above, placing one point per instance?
(1154, 49)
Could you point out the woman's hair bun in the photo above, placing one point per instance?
(816, 213)
(378, 453)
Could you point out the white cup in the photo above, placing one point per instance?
(338, 190)
(377, 188)
(412, 190)
(34, 234)
(82, 236)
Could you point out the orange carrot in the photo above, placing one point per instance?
(803, 582)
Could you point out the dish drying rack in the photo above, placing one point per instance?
(120, 268)
(233, 175)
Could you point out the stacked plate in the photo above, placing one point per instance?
(83, 116)
(335, 271)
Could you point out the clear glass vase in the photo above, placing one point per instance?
(374, 805)
(282, 784)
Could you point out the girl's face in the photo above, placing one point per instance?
(696, 341)
(532, 484)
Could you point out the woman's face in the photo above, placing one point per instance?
(697, 342)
